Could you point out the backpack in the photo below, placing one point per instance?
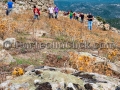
(36, 11)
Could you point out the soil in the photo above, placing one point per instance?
(55, 60)
(44, 86)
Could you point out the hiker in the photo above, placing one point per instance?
(56, 10)
(74, 15)
(71, 14)
(9, 7)
(50, 11)
(82, 17)
(90, 19)
(77, 16)
(36, 12)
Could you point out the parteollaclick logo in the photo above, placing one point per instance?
(7, 45)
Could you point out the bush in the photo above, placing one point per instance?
(101, 19)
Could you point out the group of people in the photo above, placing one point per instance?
(53, 13)
(76, 16)
(80, 17)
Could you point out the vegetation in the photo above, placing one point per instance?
(101, 19)
(87, 64)
(61, 30)
(114, 22)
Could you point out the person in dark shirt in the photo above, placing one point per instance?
(90, 19)
(82, 17)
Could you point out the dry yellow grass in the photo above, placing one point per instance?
(72, 29)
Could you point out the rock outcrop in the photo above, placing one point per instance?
(51, 78)
(41, 4)
(5, 57)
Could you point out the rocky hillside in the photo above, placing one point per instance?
(42, 4)
(47, 68)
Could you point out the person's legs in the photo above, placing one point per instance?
(81, 20)
(70, 17)
(8, 11)
(52, 15)
(36, 17)
(49, 15)
(56, 14)
(90, 25)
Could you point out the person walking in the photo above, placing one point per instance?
(90, 19)
(50, 11)
(56, 10)
(71, 14)
(36, 13)
(9, 7)
(74, 15)
(77, 16)
(82, 17)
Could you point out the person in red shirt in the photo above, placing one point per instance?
(74, 15)
(36, 12)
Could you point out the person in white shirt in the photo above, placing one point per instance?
(51, 11)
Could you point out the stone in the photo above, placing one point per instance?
(70, 85)
(5, 84)
(5, 57)
(88, 86)
(9, 77)
(42, 3)
(39, 33)
(16, 86)
(37, 82)
(107, 26)
(30, 68)
(8, 42)
(114, 67)
(20, 2)
(1, 42)
(62, 81)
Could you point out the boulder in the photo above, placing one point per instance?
(106, 26)
(39, 33)
(5, 57)
(44, 81)
(52, 80)
(114, 67)
(8, 42)
(30, 68)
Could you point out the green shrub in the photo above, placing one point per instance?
(101, 19)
